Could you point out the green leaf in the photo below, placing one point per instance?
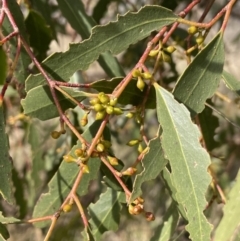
(208, 123)
(3, 66)
(40, 34)
(169, 223)
(231, 82)
(76, 15)
(115, 36)
(105, 213)
(188, 160)
(61, 183)
(8, 220)
(229, 225)
(201, 78)
(6, 187)
(131, 94)
(4, 235)
(153, 163)
(39, 102)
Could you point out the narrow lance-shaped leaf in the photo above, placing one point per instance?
(39, 102)
(76, 15)
(201, 78)
(61, 183)
(105, 213)
(4, 235)
(188, 161)
(6, 187)
(8, 220)
(231, 82)
(228, 228)
(115, 36)
(169, 223)
(153, 163)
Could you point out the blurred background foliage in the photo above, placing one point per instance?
(36, 156)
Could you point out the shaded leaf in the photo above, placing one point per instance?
(40, 34)
(4, 235)
(188, 161)
(131, 94)
(21, 72)
(231, 82)
(3, 66)
(61, 183)
(8, 220)
(201, 78)
(76, 15)
(105, 213)
(229, 224)
(169, 223)
(153, 163)
(6, 187)
(208, 123)
(131, 28)
(39, 102)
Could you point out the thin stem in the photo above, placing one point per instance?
(124, 187)
(35, 220)
(50, 230)
(80, 208)
(206, 10)
(73, 85)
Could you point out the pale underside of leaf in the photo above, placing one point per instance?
(201, 78)
(153, 163)
(228, 229)
(188, 161)
(114, 37)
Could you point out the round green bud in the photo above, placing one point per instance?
(147, 75)
(192, 30)
(140, 84)
(133, 142)
(153, 53)
(199, 39)
(100, 115)
(100, 147)
(104, 99)
(94, 101)
(113, 101)
(117, 111)
(55, 134)
(67, 208)
(69, 158)
(129, 115)
(109, 109)
(113, 160)
(136, 73)
(79, 152)
(98, 107)
(170, 49)
(166, 58)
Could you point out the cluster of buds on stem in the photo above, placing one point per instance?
(141, 76)
(103, 105)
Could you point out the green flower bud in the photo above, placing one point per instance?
(192, 30)
(136, 73)
(100, 147)
(106, 143)
(104, 99)
(69, 158)
(153, 53)
(129, 115)
(166, 58)
(147, 75)
(117, 111)
(94, 101)
(170, 49)
(113, 101)
(113, 160)
(199, 39)
(55, 134)
(140, 84)
(79, 152)
(67, 208)
(100, 115)
(133, 142)
(109, 109)
(98, 107)
(129, 172)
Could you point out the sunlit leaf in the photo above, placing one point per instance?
(61, 183)
(6, 187)
(188, 161)
(8, 220)
(228, 229)
(231, 82)
(169, 223)
(115, 36)
(44, 108)
(105, 213)
(201, 78)
(153, 163)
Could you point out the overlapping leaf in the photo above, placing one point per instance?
(200, 80)
(61, 183)
(115, 36)
(228, 228)
(105, 213)
(6, 188)
(153, 163)
(4, 235)
(231, 82)
(3, 66)
(188, 161)
(168, 226)
(39, 102)
(76, 15)
(8, 220)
